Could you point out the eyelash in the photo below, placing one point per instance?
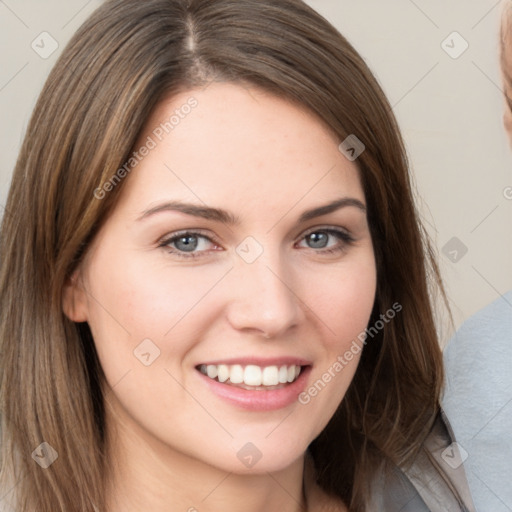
(165, 243)
(345, 239)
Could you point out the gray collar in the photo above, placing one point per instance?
(434, 482)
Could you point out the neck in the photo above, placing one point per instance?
(144, 474)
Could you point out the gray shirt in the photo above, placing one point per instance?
(478, 402)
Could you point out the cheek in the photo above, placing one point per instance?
(132, 301)
(148, 294)
(343, 299)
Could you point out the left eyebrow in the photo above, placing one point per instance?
(332, 207)
(205, 212)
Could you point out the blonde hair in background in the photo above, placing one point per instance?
(505, 34)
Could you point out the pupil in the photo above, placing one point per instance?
(186, 243)
(317, 240)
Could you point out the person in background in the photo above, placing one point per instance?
(478, 362)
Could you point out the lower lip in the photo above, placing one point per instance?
(261, 400)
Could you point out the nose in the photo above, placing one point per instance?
(263, 300)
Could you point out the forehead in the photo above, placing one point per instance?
(241, 147)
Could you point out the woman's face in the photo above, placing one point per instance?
(239, 247)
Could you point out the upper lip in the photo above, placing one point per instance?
(258, 361)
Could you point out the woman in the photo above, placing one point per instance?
(213, 276)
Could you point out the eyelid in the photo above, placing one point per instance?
(343, 234)
(329, 229)
(344, 240)
(166, 240)
(192, 231)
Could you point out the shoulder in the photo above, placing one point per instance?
(435, 481)
(478, 400)
(477, 361)
(491, 326)
(478, 388)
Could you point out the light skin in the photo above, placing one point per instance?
(309, 294)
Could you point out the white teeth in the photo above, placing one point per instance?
(283, 375)
(252, 375)
(223, 372)
(211, 371)
(271, 376)
(236, 375)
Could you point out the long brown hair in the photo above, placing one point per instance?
(125, 59)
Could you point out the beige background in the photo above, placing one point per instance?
(450, 111)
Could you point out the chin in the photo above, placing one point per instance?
(261, 456)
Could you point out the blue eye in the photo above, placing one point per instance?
(191, 244)
(326, 240)
(318, 240)
(188, 244)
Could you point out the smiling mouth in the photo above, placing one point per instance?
(252, 377)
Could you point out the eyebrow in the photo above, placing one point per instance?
(219, 215)
(332, 207)
(205, 212)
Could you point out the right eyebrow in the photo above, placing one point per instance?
(204, 212)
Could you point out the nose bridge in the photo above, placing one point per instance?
(262, 292)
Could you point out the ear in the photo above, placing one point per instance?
(74, 299)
